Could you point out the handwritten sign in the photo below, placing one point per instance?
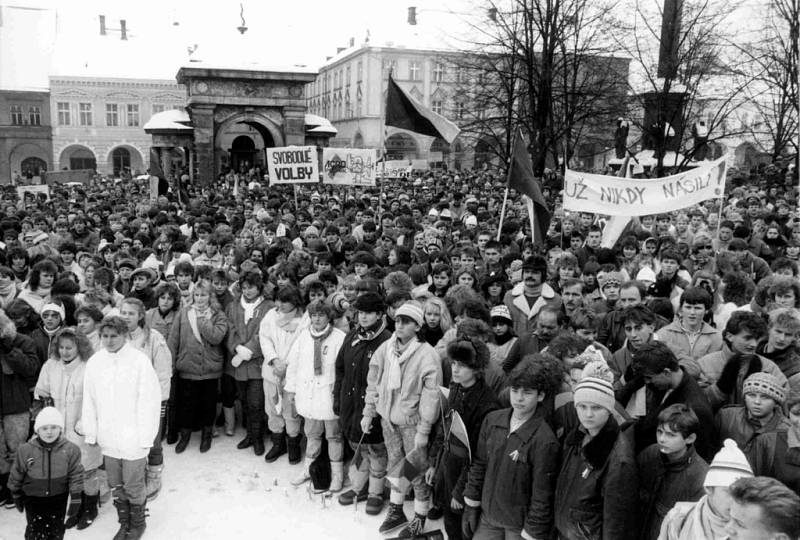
(348, 166)
(293, 165)
(616, 196)
(402, 168)
(33, 191)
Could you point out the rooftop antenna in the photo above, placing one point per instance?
(242, 29)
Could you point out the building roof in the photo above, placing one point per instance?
(171, 120)
(319, 125)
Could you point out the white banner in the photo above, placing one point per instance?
(348, 166)
(293, 165)
(614, 196)
(33, 190)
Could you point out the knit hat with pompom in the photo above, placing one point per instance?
(595, 386)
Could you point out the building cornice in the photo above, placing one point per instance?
(94, 82)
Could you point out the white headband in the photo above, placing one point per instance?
(54, 307)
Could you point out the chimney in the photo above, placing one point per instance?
(102, 25)
(123, 29)
(352, 42)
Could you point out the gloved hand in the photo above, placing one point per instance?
(420, 440)
(366, 424)
(730, 373)
(73, 510)
(236, 361)
(19, 503)
(469, 521)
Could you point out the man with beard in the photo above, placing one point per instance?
(669, 383)
(527, 298)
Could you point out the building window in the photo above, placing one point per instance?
(461, 75)
(35, 116)
(133, 114)
(360, 70)
(436, 106)
(347, 77)
(159, 108)
(388, 65)
(348, 109)
(438, 73)
(16, 115)
(413, 71)
(63, 113)
(85, 110)
(460, 110)
(112, 114)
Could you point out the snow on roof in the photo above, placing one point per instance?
(171, 120)
(319, 125)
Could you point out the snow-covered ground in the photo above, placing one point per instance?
(230, 493)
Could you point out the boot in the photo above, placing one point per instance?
(205, 441)
(414, 527)
(258, 446)
(304, 474)
(89, 511)
(337, 477)
(152, 481)
(105, 491)
(73, 520)
(124, 516)
(138, 524)
(395, 518)
(230, 421)
(186, 434)
(5, 494)
(247, 442)
(358, 489)
(375, 499)
(256, 430)
(295, 453)
(278, 447)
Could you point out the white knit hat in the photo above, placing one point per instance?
(412, 311)
(595, 386)
(728, 465)
(49, 416)
(52, 306)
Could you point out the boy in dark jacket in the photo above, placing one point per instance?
(670, 470)
(349, 390)
(47, 470)
(511, 481)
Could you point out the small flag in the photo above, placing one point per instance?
(458, 433)
(521, 178)
(405, 112)
(410, 466)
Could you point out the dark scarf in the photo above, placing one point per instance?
(505, 338)
(368, 334)
(318, 339)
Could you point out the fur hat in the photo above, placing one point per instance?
(472, 353)
(49, 416)
(766, 384)
(369, 302)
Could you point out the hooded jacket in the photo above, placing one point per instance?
(46, 470)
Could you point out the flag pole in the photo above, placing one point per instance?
(502, 213)
(508, 181)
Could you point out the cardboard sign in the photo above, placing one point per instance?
(33, 191)
(348, 166)
(615, 196)
(293, 165)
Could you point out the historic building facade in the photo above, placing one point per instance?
(26, 145)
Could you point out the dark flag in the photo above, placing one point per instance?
(405, 112)
(410, 467)
(521, 178)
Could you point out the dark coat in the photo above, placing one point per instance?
(41, 340)
(598, 486)
(772, 456)
(472, 404)
(690, 394)
(350, 387)
(240, 333)
(525, 345)
(513, 474)
(662, 483)
(732, 422)
(19, 369)
(612, 331)
(41, 470)
(146, 295)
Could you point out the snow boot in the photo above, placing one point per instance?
(258, 445)
(247, 442)
(230, 421)
(337, 477)
(395, 518)
(186, 434)
(295, 452)
(124, 516)
(414, 527)
(73, 520)
(152, 481)
(205, 441)
(138, 524)
(358, 489)
(89, 511)
(278, 447)
(375, 498)
(305, 476)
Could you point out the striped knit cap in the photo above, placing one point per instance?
(595, 386)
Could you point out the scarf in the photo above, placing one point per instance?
(368, 334)
(192, 315)
(249, 308)
(41, 292)
(398, 353)
(503, 339)
(319, 338)
(700, 522)
(7, 293)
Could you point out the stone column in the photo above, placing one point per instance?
(203, 121)
(294, 126)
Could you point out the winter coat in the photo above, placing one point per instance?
(152, 343)
(733, 422)
(597, 485)
(498, 353)
(46, 470)
(513, 474)
(662, 483)
(19, 366)
(43, 340)
(147, 296)
(712, 366)
(777, 455)
(675, 337)
(693, 521)
(34, 299)
(612, 331)
(691, 395)
(416, 401)
(198, 360)
(160, 323)
(522, 347)
(313, 393)
(350, 388)
(276, 337)
(787, 360)
(473, 405)
(64, 384)
(245, 335)
(121, 403)
(524, 316)
(86, 241)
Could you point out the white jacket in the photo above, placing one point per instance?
(276, 340)
(313, 394)
(121, 403)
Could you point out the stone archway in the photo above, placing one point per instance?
(28, 159)
(77, 156)
(124, 158)
(261, 131)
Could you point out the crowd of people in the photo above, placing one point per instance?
(399, 343)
